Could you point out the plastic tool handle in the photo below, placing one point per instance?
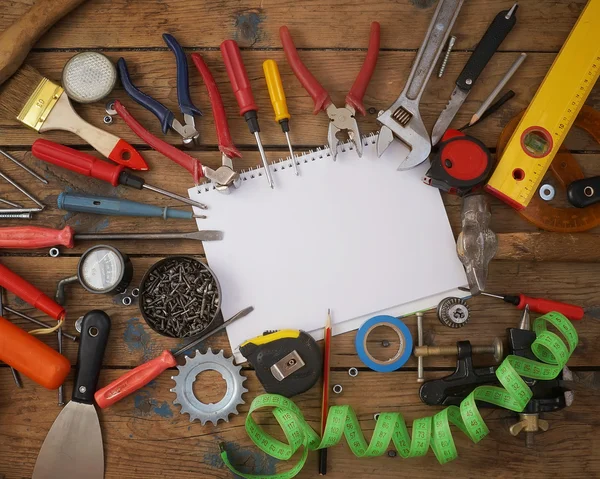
(183, 85)
(29, 293)
(76, 161)
(583, 193)
(543, 306)
(95, 329)
(31, 357)
(134, 379)
(276, 92)
(184, 160)
(226, 145)
(306, 78)
(34, 237)
(164, 115)
(485, 49)
(238, 76)
(357, 92)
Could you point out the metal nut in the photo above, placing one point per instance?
(376, 416)
(337, 388)
(54, 252)
(352, 372)
(110, 108)
(108, 119)
(135, 292)
(126, 301)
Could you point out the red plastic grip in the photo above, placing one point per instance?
(238, 76)
(134, 380)
(306, 78)
(184, 160)
(125, 154)
(76, 161)
(34, 237)
(543, 306)
(29, 293)
(226, 145)
(357, 92)
(28, 355)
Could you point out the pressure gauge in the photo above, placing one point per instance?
(101, 270)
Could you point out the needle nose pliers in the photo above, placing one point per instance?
(342, 120)
(167, 119)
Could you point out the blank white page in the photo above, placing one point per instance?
(354, 235)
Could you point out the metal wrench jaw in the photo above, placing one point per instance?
(343, 120)
(411, 131)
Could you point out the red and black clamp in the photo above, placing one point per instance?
(459, 164)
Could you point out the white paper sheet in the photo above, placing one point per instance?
(354, 235)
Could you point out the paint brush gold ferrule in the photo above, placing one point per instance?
(40, 104)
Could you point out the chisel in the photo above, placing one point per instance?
(33, 237)
(73, 446)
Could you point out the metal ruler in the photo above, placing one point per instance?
(550, 114)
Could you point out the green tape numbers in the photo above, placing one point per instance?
(434, 432)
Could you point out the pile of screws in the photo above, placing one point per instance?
(179, 297)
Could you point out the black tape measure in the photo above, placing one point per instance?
(287, 362)
(459, 164)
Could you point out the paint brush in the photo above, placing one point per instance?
(43, 106)
(325, 399)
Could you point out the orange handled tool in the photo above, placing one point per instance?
(143, 374)
(30, 356)
(29, 293)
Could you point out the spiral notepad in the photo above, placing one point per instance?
(355, 235)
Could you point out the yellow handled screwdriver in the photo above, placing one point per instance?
(282, 115)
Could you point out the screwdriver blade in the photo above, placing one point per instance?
(206, 235)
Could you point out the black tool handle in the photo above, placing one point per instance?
(583, 193)
(489, 43)
(92, 343)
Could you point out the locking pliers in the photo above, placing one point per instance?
(342, 120)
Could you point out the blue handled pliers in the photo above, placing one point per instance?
(167, 119)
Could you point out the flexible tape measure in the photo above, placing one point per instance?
(550, 114)
(434, 432)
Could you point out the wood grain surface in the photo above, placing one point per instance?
(145, 435)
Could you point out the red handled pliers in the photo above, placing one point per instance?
(341, 119)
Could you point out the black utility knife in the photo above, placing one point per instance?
(489, 43)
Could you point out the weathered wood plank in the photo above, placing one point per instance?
(154, 73)
(133, 342)
(122, 24)
(146, 437)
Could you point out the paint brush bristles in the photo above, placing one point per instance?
(16, 92)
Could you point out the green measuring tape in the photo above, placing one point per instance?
(427, 432)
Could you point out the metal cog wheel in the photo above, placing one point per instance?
(184, 381)
(453, 312)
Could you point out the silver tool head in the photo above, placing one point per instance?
(88, 77)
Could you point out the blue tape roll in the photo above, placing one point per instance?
(399, 359)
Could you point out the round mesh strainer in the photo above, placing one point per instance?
(89, 77)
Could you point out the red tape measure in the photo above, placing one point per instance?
(459, 164)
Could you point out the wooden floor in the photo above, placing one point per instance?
(145, 435)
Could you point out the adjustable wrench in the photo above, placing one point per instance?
(402, 119)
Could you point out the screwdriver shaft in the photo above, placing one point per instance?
(263, 157)
(293, 158)
(208, 235)
(174, 196)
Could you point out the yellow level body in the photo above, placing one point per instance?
(550, 114)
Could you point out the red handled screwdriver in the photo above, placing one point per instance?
(243, 94)
(540, 305)
(89, 165)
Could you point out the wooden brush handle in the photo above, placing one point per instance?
(19, 38)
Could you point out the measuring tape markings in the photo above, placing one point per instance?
(428, 432)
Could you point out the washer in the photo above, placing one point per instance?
(337, 388)
(404, 350)
(547, 192)
(352, 372)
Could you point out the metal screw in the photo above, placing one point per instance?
(391, 453)
(385, 343)
(337, 388)
(352, 372)
(468, 81)
(420, 373)
(108, 119)
(291, 362)
(16, 216)
(82, 389)
(451, 43)
(61, 394)
(54, 252)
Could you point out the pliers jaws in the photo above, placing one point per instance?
(342, 120)
(224, 177)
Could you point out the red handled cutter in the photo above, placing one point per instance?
(342, 120)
